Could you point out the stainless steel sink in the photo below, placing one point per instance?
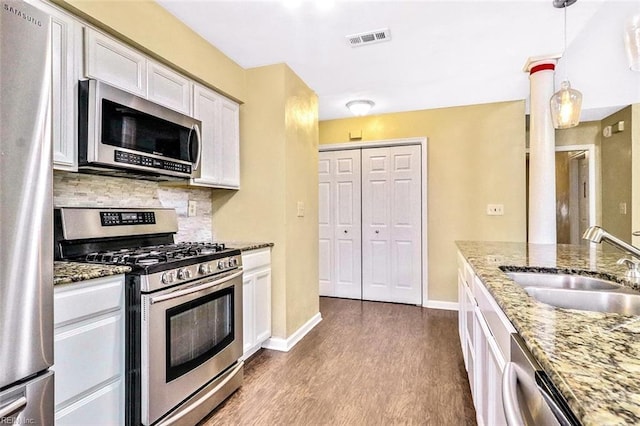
(624, 302)
(561, 281)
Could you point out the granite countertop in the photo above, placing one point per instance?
(593, 358)
(69, 272)
(246, 246)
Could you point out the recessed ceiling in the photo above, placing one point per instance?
(442, 53)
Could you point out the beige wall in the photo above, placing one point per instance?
(616, 177)
(278, 128)
(150, 27)
(301, 125)
(635, 171)
(476, 156)
(563, 198)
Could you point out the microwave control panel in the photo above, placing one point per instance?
(154, 163)
(112, 218)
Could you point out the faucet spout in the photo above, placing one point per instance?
(596, 234)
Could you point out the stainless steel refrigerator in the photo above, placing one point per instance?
(26, 222)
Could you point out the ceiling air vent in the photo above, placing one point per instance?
(369, 37)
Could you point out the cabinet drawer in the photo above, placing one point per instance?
(87, 356)
(500, 327)
(256, 258)
(89, 298)
(102, 407)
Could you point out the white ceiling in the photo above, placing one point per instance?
(441, 53)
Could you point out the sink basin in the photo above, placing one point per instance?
(561, 281)
(620, 302)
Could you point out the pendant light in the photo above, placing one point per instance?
(566, 102)
(632, 41)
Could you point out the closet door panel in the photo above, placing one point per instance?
(391, 224)
(325, 223)
(340, 224)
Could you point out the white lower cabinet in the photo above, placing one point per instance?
(89, 352)
(256, 299)
(484, 336)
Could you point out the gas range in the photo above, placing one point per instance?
(183, 304)
(141, 239)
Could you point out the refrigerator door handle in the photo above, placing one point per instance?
(17, 405)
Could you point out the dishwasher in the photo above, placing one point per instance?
(528, 395)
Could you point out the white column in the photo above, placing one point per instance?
(542, 151)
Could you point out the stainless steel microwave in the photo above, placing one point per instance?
(119, 132)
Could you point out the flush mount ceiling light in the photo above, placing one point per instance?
(566, 102)
(632, 41)
(360, 107)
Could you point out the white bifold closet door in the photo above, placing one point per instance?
(391, 224)
(340, 227)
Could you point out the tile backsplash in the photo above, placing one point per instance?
(85, 190)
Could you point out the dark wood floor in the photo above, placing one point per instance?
(365, 363)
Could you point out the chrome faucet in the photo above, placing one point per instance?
(596, 234)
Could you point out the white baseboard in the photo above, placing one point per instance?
(285, 345)
(436, 304)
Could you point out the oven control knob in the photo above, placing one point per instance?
(184, 274)
(204, 269)
(233, 262)
(221, 264)
(167, 278)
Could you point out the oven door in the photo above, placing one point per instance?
(190, 335)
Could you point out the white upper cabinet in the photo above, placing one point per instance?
(230, 144)
(111, 61)
(79, 51)
(167, 87)
(66, 55)
(220, 158)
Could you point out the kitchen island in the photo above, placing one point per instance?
(592, 358)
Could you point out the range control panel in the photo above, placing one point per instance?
(127, 218)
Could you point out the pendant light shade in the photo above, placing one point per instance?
(360, 107)
(632, 41)
(566, 104)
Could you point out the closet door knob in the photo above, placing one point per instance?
(377, 231)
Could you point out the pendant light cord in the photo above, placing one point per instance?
(566, 62)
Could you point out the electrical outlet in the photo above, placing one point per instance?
(495, 209)
(192, 209)
(623, 208)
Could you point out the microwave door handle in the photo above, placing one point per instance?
(196, 129)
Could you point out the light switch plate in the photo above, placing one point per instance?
(300, 209)
(192, 211)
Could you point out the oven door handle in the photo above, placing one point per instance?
(186, 291)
